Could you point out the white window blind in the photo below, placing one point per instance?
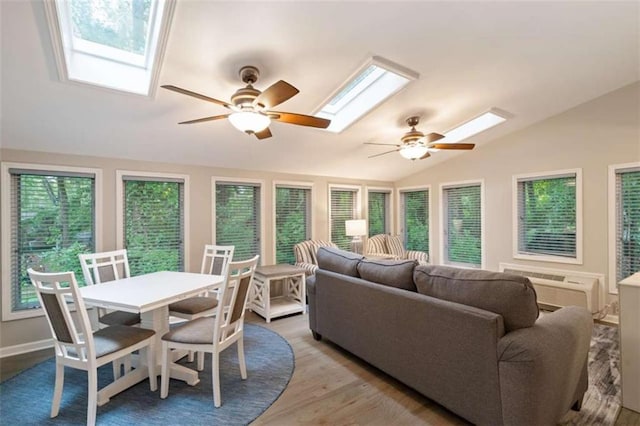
(627, 223)
(463, 225)
(238, 218)
(343, 208)
(293, 220)
(153, 210)
(547, 215)
(415, 214)
(378, 212)
(52, 221)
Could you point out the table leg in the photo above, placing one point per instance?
(158, 320)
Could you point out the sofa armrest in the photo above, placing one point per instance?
(551, 357)
(420, 256)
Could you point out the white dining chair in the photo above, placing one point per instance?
(103, 267)
(215, 261)
(214, 334)
(75, 344)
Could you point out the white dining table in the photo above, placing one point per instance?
(149, 295)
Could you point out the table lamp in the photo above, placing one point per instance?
(356, 228)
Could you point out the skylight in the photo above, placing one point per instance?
(110, 43)
(372, 84)
(473, 127)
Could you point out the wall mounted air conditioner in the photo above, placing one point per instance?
(560, 288)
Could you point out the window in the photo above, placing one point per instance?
(415, 219)
(293, 219)
(624, 224)
(152, 209)
(548, 216)
(50, 219)
(114, 44)
(237, 211)
(462, 225)
(344, 205)
(379, 211)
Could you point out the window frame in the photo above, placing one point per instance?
(401, 214)
(612, 214)
(260, 183)
(443, 214)
(158, 176)
(357, 213)
(296, 185)
(390, 218)
(515, 220)
(8, 314)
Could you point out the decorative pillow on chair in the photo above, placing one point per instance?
(395, 246)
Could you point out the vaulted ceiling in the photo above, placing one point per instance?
(532, 60)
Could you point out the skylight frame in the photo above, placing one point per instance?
(108, 67)
(360, 99)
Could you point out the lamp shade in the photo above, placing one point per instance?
(355, 227)
(412, 152)
(250, 122)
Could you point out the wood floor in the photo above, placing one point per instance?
(329, 386)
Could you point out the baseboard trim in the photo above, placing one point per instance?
(26, 347)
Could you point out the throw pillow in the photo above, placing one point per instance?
(394, 273)
(340, 261)
(511, 296)
(395, 246)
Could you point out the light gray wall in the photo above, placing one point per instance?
(34, 329)
(591, 136)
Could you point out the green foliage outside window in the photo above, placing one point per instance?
(464, 228)
(153, 226)
(416, 220)
(52, 222)
(238, 218)
(548, 216)
(342, 209)
(121, 24)
(377, 213)
(629, 224)
(292, 221)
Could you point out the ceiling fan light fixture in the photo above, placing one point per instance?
(249, 121)
(413, 152)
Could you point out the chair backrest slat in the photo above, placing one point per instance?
(216, 259)
(235, 293)
(72, 334)
(103, 267)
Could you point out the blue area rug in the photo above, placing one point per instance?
(26, 398)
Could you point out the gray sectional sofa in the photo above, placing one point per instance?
(470, 340)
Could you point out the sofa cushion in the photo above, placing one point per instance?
(395, 246)
(394, 273)
(511, 296)
(340, 261)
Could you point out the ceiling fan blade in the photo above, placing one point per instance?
(432, 137)
(300, 119)
(263, 134)
(276, 94)
(384, 144)
(452, 145)
(200, 120)
(384, 153)
(426, 155)
(196, 95)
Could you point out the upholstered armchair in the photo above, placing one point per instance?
(383, 245)
(305, 253)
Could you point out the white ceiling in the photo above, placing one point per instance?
(532, 60)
